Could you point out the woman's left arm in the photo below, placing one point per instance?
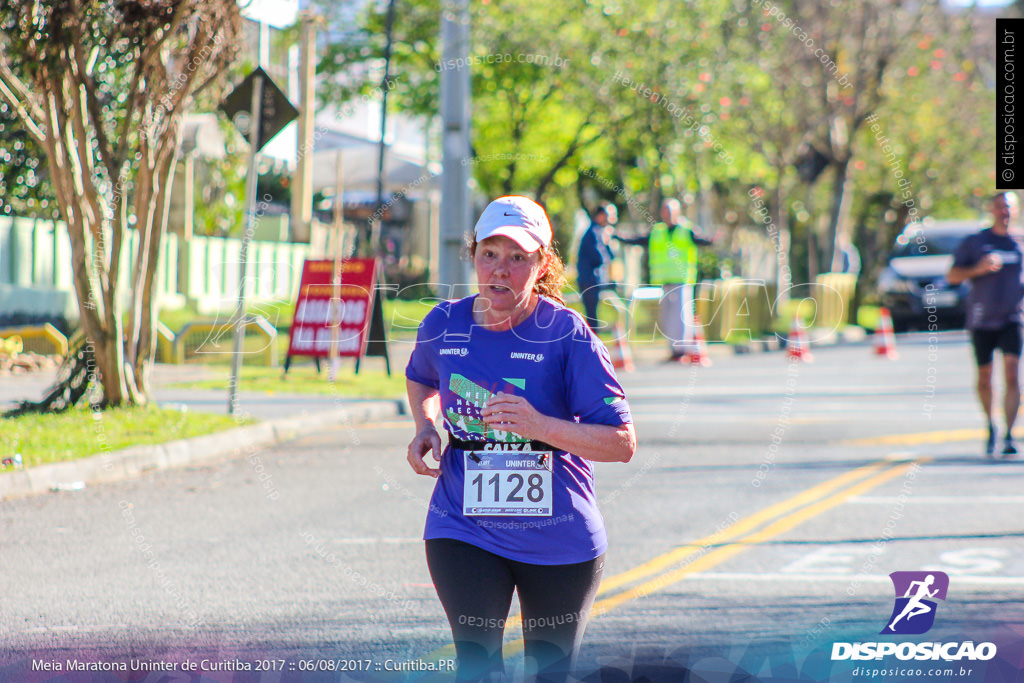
(600, 443)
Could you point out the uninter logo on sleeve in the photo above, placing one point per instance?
(536, 357)
(460, 351)
(913, 613)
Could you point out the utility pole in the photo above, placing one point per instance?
(456, 208)
(376, 236)
(302, 179)
(256, 124)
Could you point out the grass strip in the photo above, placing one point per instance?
(82, 432)
(303, 378)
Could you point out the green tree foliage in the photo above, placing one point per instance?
(221, 185)
(24, 185)
(707, 99)
(101, 86)
(929, 150)
(608, 91)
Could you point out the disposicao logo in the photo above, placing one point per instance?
(916, 595)
(913, 614)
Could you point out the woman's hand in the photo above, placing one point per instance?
(426, 439)
(512, 413)
(597, 442)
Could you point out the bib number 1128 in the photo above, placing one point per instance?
(508, 484)
(535, 492)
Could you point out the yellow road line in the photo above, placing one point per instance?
(780, 526)
(739, 528)
(724, 553)
(947, 436)
(814, 499)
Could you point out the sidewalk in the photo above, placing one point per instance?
(14, 388)
(281, 416)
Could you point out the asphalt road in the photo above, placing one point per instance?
(755, 527)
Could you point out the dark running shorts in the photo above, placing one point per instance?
(1006, 339)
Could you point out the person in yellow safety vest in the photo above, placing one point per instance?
(672, 251)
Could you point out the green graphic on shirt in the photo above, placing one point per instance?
(464, 411)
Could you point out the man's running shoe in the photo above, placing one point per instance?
(990, 445)
(1009, 447)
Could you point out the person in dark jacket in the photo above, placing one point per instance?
(593, 261)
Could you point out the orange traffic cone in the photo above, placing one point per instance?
(622, 358)
(797, 346)
(700, 357)
(885, 338)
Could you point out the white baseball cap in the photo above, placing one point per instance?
(520, 219)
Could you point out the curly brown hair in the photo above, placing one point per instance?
(552, 280)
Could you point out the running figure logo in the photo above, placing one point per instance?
(914, 611)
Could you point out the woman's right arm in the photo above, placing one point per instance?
(425, 403)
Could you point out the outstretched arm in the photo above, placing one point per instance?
(639, 241)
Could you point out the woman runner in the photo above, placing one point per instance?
(529, 399)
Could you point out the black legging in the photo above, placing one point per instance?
(476, 587)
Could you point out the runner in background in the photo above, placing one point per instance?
(529, 399)
(991, 261)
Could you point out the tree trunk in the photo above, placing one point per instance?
(106, 141)
(813, 252)
(842, 196)
(814, 225)
(148, 320)
(96, 308)
(783, 274)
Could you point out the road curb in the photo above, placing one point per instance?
(132, 462)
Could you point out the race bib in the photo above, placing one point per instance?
(507, 483)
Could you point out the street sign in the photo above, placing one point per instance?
(260, 110)
(276, 111)
(347, 313)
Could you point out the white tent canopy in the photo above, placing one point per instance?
(403, 172)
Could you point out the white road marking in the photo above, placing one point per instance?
(816, 391)
(692, 417)
(828, 560)
(371, 541)
(970, 561)
(83, 629)
(940, 500)
(860, 578)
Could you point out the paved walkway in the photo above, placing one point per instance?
(262, 406)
